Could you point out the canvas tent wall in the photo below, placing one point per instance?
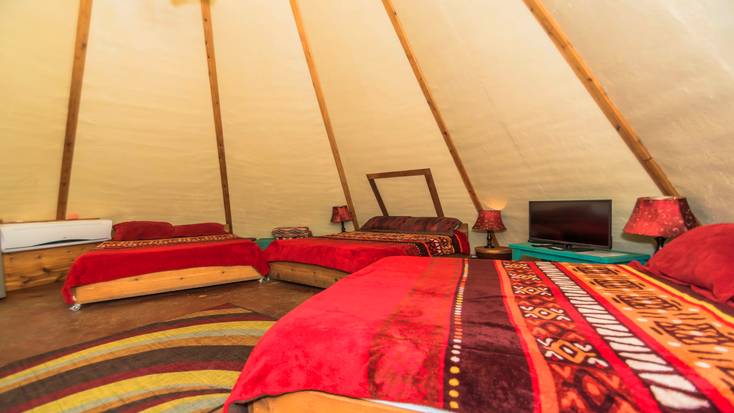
(523, 125)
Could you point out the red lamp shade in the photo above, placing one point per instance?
(489, 220)
(340, 214)
(665, 217)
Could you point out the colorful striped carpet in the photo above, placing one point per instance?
(188, 364)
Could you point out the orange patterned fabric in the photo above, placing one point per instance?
(612, 338)
(429, 244)
(164, 241)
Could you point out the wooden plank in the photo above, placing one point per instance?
(317, 402)
(305, 274)
(72, 113)
(399, 174)
(206, 17)
(378, 196)
(397, 25)
(323, 108)
(597, 92)
(434, 194)
(26, 269)
(163, 281)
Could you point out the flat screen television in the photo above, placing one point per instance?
(572, 224)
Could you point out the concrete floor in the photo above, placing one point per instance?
(36, 320)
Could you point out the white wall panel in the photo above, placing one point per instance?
(669, 65)
(145, 142)
(281, 169)
(381, 120)
(36, 51)
(523, 123)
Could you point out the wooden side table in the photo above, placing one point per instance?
(496, 253)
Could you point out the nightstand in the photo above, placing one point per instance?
(496, 253)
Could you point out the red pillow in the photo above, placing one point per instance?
(462, 239)
(135, 230)
(198, 230)
(702, 258)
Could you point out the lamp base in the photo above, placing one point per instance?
(490, 239)
(343, 228)
(660, 241)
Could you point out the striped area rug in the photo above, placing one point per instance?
(188, 364)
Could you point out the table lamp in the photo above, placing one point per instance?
(490, 220)
(661, 217)
(341, 215)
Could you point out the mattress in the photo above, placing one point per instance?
(482, 335)
(352, 251)
(113, 260)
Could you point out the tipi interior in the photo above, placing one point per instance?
(366, 205)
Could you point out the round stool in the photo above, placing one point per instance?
(496, 253)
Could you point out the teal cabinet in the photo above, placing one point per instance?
(264, 242)
(596, 256)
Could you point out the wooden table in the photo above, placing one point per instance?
(496, 253)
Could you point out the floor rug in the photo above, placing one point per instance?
(188, 364)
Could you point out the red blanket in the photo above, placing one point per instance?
(481, 335)
(114, 262)
(347, 256)
(352, 251)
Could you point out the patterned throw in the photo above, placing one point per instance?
(502, 336)
(183, 365)
(426, 244)
(612, 338)
(164, 241)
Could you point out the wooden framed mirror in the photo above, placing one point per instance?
(372, 178)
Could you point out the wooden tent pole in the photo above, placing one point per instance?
(397, 25)
(206, 15)
(594, 87)
(72, 114)
(323, 107)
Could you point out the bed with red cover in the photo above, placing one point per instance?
(481, 335)
(179, 260)
(380, 237)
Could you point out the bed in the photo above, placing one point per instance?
(427, 334)
(321, 261)
(125, 268)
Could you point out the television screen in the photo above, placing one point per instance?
(585, 223)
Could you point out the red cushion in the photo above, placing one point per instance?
(462, 239)
(382, 223)
(198, 230)
(433, 225)
(437, 225)
(702, 258)
(135, 230)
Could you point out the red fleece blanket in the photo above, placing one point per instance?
(482, 336)
(105, 264)
(347, 256)
(352, 251)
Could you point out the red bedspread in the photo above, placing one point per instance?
(117, 261)
(352, 251)
(347, 256)
(481, 335)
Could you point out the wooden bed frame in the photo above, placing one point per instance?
(307, 274)
(161, 282)
(316, 402)
(314, 275)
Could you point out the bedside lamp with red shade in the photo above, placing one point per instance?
(341, 214)
(661, 217)
(489, 220)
